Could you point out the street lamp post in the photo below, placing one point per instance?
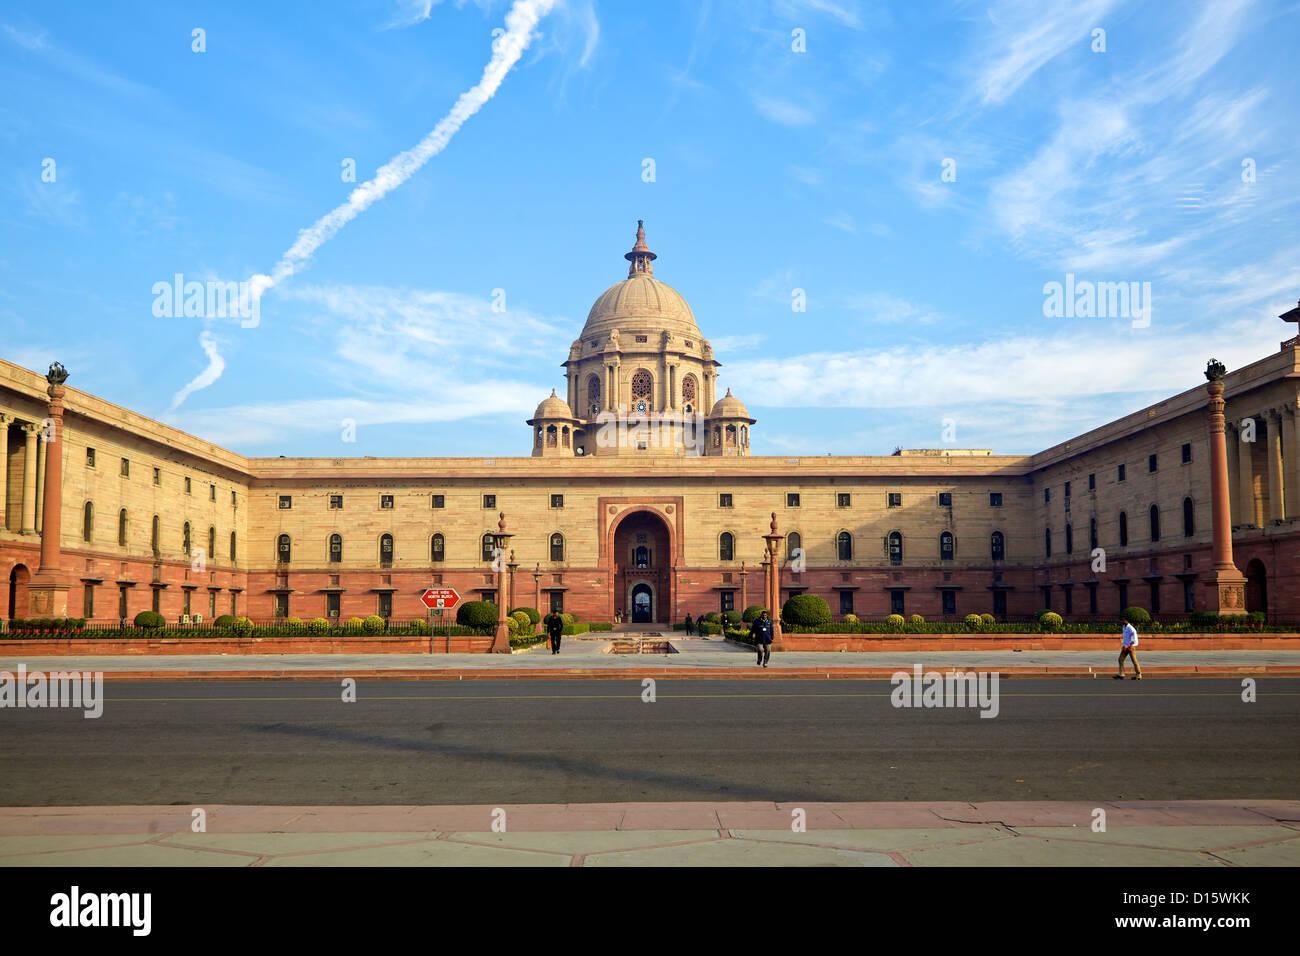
(501, 640)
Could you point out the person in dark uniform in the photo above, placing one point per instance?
(554, 625)
(761, 630)
(690, 626)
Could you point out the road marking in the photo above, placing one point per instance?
(633, 696)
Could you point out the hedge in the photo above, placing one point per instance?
(806, 610)
(752, 612)
(477, 614)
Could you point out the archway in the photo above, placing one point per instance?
(18, 600)
(642, 603)
(1256, 586)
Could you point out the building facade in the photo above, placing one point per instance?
(640, 495)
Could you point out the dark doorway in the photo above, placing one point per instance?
(641, 604)
(1256, 586)
(18, 579)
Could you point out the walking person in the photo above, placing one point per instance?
(554, 625)
(690, 626)
(1129, 649)
(761, 631)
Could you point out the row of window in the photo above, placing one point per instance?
(1121, 472)
(155, 542)
(843, 499)
(387, 549)
(124, 469)
(643, 388)
(844, 546)
(387, 503)
(1153, 517)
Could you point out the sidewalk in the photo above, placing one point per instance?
(697, 658)
(1175, 833)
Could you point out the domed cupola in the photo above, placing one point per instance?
(554, 428)
(727, 427)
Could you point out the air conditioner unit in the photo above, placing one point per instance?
(185, 619)
(198, 618)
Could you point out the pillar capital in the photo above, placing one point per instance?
(6, 419)
(31, 429)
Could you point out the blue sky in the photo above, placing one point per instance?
(1168, 158)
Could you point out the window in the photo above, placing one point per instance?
(1123, 595)
(489, 546)
(1121, 473)
(896, 602)
(1069, 599)
(945, 499)
(1092, 599)
(1189, 518)
(386, 604)
(332, 604)
(90, 458)
(726, 546)
(232, 547)
(286, 502)
(557, 547)
(1047, 542)
(385, 550)
(157, 599)
(126, 468)
(844, 546)
(846, 602)
(212, 604)
(439, 501)
(894, 499)
(727, 601)
(1154, 514)
(1092, 533)
(212, 492)
(998, 546)
(283, 551)
(593, 394)
(437, 548)
(995, 499)
(843, 499)
(792, 500)
(1151, 462)
(641, 557)
(945, 546)
(121, 528)
(87, 521)
(153, 535)
(157, 476)
(1047, 494)
(642, 390)
(212, 543)
(643, 338)
(189, 595)
(793, 546)
(1155, 596)
(489, 501)
(336, 549)
(1189, 596)
(186, 542)
(557, 602)
(1000, 603)
(557, 501)
(281, 605)
(1187, 452)
(386, 502)
(895, 547)
(724, 500)
(1123, 529)
(1069, 539)
(88, 601)
(336, 502)
(949, 602)
(233, 501)
(1092, 481)
(1067, 489)
(121, 602)
(688, 392)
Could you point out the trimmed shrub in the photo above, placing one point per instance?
(895, 622)
(602, 625)
(225, 620)
(576, 628)
(806, 610)
(916, 620)
(318, 625)
(534, 615)
(149, 619)
(242, 627)
(480, 615)
(1136, 615)
(522, 619)
(1050, 621)
(419, 627)
(709, 628)
(714, 617)
(512, 625)
(1038, 615)
(354, 625)
(731, 618)
(850, 619)
(568, 618)
(988, 620)
(374, 624)
(974, 622)
(752, 612)
(295, 625)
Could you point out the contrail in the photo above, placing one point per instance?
(216, 365)
(506, 51)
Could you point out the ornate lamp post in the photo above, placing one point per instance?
(501, 640)
(49, 585)
(773, 539)
(1227, 585)
(511, 566)
(537, 595)
(744, 593)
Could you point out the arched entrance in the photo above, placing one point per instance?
(18, 601)
(642, 567)
(1256, 586)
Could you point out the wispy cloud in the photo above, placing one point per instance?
(783, 111)
(1025, 35)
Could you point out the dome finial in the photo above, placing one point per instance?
(640, 256)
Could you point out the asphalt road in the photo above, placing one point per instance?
(497, 742)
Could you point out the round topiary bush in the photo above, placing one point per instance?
(752, 612)
(355, 625)
(419, 627)
(988, 620)
(713, 617)
(1038, 615)
(149, 619)
(373, 624)
(974, 621)
(242, 627)
(295, 625)
(895, 622)
(512, 625)
(318, 625)
(732, 618)
(849, 619)
(806, 610)
(1136, 616)
(916, 620)
(224, 620)
(569, 618)
(525, 622)
(480, 615)
(1050, 621)
(534, 615)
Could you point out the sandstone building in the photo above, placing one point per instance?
(639, 493)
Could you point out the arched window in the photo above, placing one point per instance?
(744, 436)
(593, 394)
(557, 547)
(1123, 529)
(153, 535)
(551, 433)
(1189, 518)
(1092, 533)
(489, 546)
(232, 547)
(895, 548)
(945, 546)
(385, 550)
(643, 387)
(1047, 541)
(726, 546)
(185, 539)
(731, 436)
(121, 528)
(689, 392)
(1069, 539)
(336, 549)
(565, 442)
(438, 547)
(717, 437)
(641, 557)
(844, 546)
(1155, 522)
(283, 550)
(999, 546)
(212, 543)
(793, 546)
(539, 436)
(87, 521)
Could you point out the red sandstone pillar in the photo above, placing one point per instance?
(773, 539)
(501, 639)
(1227, 586)
(49, 586)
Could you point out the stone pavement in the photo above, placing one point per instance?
(698, 657)
(1213, 833)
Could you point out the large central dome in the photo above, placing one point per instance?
(641, 302)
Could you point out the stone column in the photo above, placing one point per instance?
(49, 585)
(1227, 586)
(1245, 481)
(5, 421)
(537, 596)
(501, 639)
(1232, 439)
(31, 431)
(1290, 486)
(511, 568)
(773, 540)
(1276, 504)
(40, 484)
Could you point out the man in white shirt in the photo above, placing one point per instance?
(1129, 650)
